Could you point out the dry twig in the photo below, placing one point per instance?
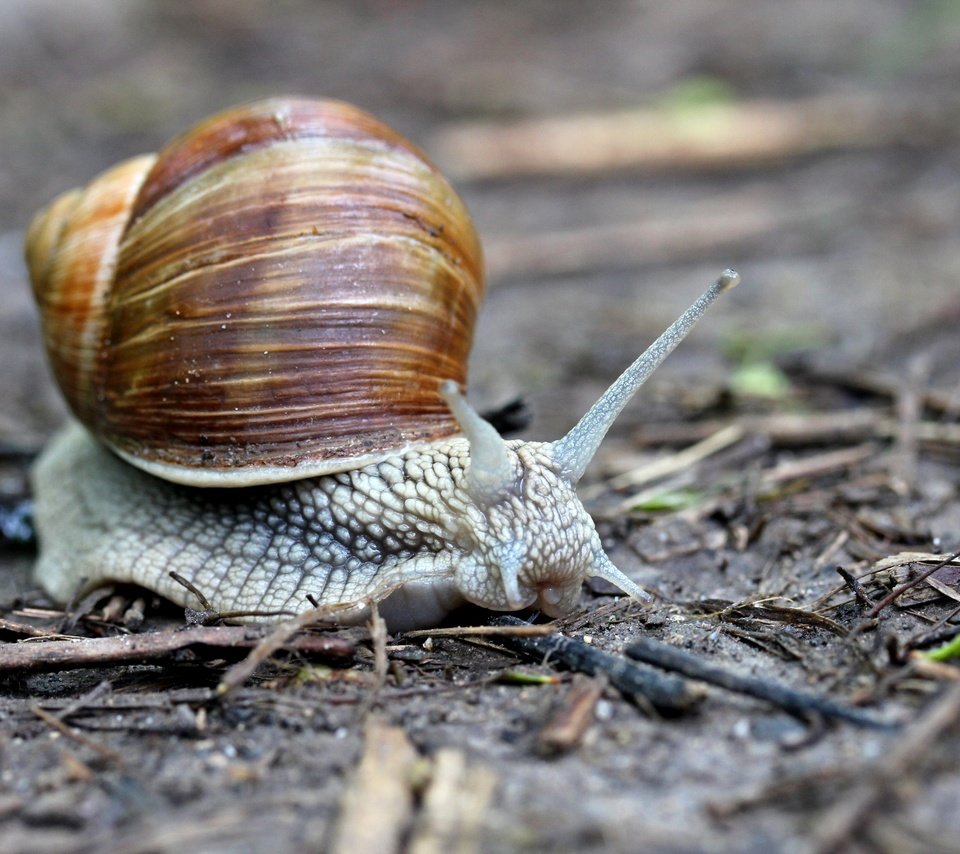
(881, 384)
(569, 723)
(909, 414)
(52, 721)
(717, 136)
(854, 584)
(522, 630)
(787, 430)
(667, 465)
(705, 228)
(454, 805)
(26, 630)
(46, 655)
(378, 639)
(377, 805)
(279, 637)
(817, 465)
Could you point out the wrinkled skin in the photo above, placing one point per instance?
(401, 533)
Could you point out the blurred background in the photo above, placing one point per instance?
(616, 156)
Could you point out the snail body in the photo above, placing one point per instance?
(263, 332)
(392, 532)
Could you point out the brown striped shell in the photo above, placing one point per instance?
(278, 293)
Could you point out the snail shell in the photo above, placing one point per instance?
(277, 294)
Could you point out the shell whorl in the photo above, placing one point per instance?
(277, 294)
(72, 247)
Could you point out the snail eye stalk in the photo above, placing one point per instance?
(574, 451)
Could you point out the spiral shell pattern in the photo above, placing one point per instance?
(278, 293)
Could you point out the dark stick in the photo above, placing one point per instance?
(665, 692)
(854, 584)
(796, 702)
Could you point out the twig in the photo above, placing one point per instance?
(208, 615)
(568, 724)
(119, 702)
(666, 693)
(779, 791)
(29, 631)
(796, 702)
(768, 485)
(862, 596)
(668, 465)
(280, 636)
(895, 594)
(923, 666)
(378, 639)
(817, 465)
(835, 544)
(377, 805)
(768, 612)
(43, 656)
(909, 412)
(886, 530)
(929, 637)
(454, 805)
(707, 228)
(80, 606)
(878, 383)
(189, 585)
(788, 430)
(523, 630)
(94, 695)
(101, 750)
(715, 135)
(842, 819)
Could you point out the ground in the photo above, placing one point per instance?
(826, 387)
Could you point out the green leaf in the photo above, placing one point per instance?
(949, 650)
(760, 379)
(671, 499)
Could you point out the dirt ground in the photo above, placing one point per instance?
(827, 387)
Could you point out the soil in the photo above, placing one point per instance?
(848, 309)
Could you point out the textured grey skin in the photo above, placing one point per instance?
(401, 533)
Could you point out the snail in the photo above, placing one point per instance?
(263, 333)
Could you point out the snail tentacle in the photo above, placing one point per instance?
(574, 451)
(603, 568)
(492, 473)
